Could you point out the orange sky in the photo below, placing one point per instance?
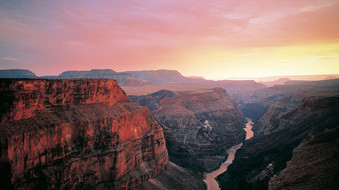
(216, 39)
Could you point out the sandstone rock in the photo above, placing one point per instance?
(76, 134)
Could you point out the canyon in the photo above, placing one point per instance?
(76, 134)
(210, 181)
(161, 130)
(205, 123)
(297, 149)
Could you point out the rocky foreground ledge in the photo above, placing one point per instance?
(76, 134)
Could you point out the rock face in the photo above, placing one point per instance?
(180, 155)
(273, 118)
(17, 73)
(76, 134)
(314, 164)
(262, 161)
(204, 123)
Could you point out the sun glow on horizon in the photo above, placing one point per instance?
(218, 39)
(251, 63)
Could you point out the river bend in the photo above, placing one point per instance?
(210, 181)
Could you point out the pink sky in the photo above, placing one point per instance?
(215, 39)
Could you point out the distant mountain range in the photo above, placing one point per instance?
(17, 73)
(299, 77)
(145, 82)
(139, 79)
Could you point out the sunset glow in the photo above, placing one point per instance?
(216, 39)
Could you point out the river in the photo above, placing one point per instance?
(210, 181)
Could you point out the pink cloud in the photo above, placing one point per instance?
(123, 34)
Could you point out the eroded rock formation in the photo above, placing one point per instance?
(71, 134)
(203, 122)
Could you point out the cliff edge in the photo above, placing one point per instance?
(79, 133)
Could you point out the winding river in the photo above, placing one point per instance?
(210, 181)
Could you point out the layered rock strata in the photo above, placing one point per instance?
(203, 122)
(76, 134)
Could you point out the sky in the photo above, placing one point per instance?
(216, 39)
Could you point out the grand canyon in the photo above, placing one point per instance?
(169, 95)
(86, 131)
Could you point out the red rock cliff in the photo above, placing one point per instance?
(70, 134)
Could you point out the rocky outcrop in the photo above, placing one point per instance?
(22, 99)
(204, 123)
(264, 156)
(17, 73)
(76, 134)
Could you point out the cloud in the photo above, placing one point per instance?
(9, 58)
(121, 34)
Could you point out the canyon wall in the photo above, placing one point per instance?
(266, 106)
(298, 152)
(205, 122)
(71, 134)
(314, 164)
